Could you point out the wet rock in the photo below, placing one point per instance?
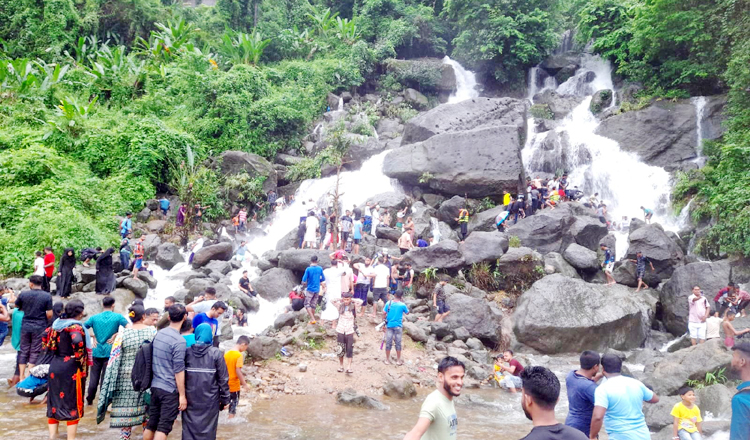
(433, 200)
(481, 319)
(387, 233)
(249, 303)
(221, 251)
(478, 162)
(581, 257)
(236, 162)
(483, 246)
(399, 389)
(138, 287)
(662, 134)
(466, 115)
(275, 283)
(168, 256)
(717, 400)
(351, 398)
(393, 201)
(674, 370)
(87, 275)
(448, 210)
(600, 101)
(285, 320)
(559, 265)
(559, 105)
(263, 347)
(656, 245)
(222, 267)
(558, 313)
(156, 226)
(299, 259)
(416, 99)
(444, 255)
(148, 279)
(710, 277)
(485, 220)
(151, 244)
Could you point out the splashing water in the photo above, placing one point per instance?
(466, 82)
(700, 106)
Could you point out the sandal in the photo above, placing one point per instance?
(388, 362)
(340, 370)
(313, 322)
(349, 371)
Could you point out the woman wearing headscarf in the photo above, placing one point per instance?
(70, 345)
(207, 384)
(128, 405)
(65, 273)
(181, 213)
(105, 273)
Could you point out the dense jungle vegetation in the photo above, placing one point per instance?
(101, 102)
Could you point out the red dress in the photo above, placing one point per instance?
(67, 372)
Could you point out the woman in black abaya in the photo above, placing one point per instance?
(105, 273)
(65, 273)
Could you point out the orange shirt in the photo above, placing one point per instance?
(234, 359)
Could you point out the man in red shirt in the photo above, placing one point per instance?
(296, 300)
(138, 264)
(49, 268)
(512, 379)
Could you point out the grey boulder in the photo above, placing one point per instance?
(299, 259)
(275, 283)
(221, 251)
(237, 162)
(483, 246)
(168, 256)
(444, 255)
(581, 257)
(675, 369)
(263, 347)
(480, 318)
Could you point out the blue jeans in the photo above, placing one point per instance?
(125, 260)
(684, 435)
(391, 334)
(3, 334)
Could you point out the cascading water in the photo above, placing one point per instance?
(466, 82)
(548, 83)
(595, 163)
(700, 105)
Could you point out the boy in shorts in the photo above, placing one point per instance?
(608, 264)
(234, 359)
(438, 300)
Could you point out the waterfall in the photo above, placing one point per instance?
(341, 104)
(700, 105)
(549, 83)
(596, 164)
(435, 225)
(466, 82)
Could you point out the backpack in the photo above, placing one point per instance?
(141, 374)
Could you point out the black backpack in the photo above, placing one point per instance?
(142, 373)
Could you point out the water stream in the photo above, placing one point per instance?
(466, 82)
(700, 105)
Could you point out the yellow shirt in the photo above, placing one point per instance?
(506, 199)
(234, 359)
(688, 416)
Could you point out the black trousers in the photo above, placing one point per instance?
(96, 377)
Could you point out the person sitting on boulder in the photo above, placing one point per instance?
(245, 286)
(296, 300)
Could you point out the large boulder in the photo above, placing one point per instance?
(553, 230)
(560, 314)
(717, 400)
(350, 397)
(299, 259)
(485, 220)
(481, 246)
(656, 245)
(448, 210)
(662, 134)
(581, 258)
(275, 283)
(709, 276)
(236, 162)
(388, 233)
(221, 251)
(557, 263)
(465, 115)
(93, 302)
(415, 332)
(399, 388)
(521, 262)
(478, 162)
(675, 369)
(480, 318)
(422, 214)
(416, 99)
(444, 255)
(712, 124)
(361, 149)
(393, 201)
(263, 347)
(168, 255)
(151, 244)
(138, 287)
(156, 226)
(659, 415)
(559, 105)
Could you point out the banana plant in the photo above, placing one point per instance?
(346, 30)
(242, 48)
(324, 21)
(53, 73)
(17, 75)
(70, 116)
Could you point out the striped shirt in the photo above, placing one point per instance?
(242, 216)
(169, 359)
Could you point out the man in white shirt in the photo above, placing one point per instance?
(39, 264)
(382, 276)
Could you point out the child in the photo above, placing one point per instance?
(687, 417)
(729, 331)
(498, 376)
(608, 264)
(235, 359)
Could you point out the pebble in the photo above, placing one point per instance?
(302, 368)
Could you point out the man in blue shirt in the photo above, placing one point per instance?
(126, 226)
(211, 317)
(618, 403)
(581, 385)
(311, 280)
(105, 326)
(164, 205)
(740, 428)
(394, 312)
(356, 235)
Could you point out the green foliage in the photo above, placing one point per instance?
(485, 204)
(425, 177)
(481, 275)
(247, 188)
(502, 38)
(242, 48)
(541, 111)
(712, 378)
(423, 75)
(514, 241)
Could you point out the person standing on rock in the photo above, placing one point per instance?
(698, 312)
(640, 269)
(438, 300)
(181, 214)
(65, 273)
(393, 313)
(138, 253)
(729, 331)
(242, 218)
(356, 235)
(581, 386)
(104, 325)
(346, 308)
(105, 273)
(647, 214)
(539, 396)
(618, 403)
(740, 427)
(311, 230)
(362, 284)
(608, 264)
(381, 275)
(463, 222)
(49, 268)
(312, 280)
(346, 228)
(125, 252)
(126, 225)
(437, 417)
(164, 205)
(405, 243)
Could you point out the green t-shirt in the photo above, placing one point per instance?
(442, 413)
(15, 337)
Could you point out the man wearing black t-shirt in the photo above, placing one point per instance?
(36, 305)
(245, 286)
(541, 389)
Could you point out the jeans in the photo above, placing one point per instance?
(684, 435)
(124, 260)
(31, 346)
(3, 334)
(391, 334)
(96, 377)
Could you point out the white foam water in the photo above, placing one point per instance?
(466, 82)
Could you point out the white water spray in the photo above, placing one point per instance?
(700, 106)
(466, 82)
